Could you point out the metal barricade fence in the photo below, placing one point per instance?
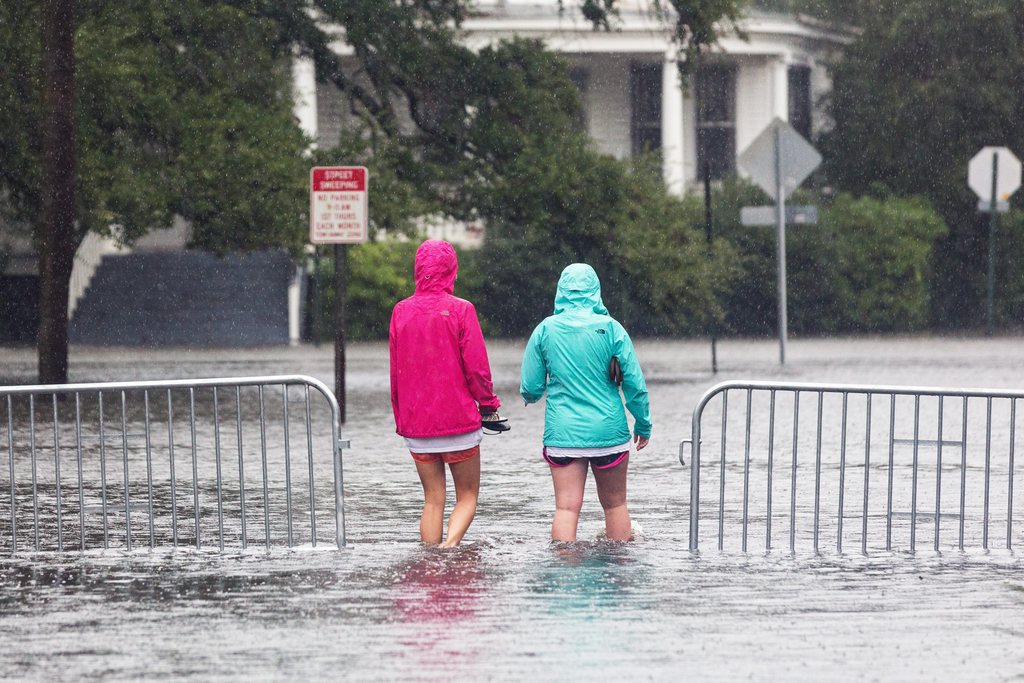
(926, 444)
(173, 462)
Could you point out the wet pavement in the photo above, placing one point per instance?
(507, 605)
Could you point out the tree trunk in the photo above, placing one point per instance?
(57, 239)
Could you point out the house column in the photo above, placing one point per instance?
(672, 141)
(304, 92)
(780, 88)
(304, 107)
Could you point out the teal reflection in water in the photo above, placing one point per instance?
(592, 578)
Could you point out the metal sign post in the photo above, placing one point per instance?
(993, 223)
(994, 174)
(778, 160)
(340, 293)
(339, 215)
(317, 297)
(709, 234)
(780, 248)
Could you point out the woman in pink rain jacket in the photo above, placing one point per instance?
(440, 388)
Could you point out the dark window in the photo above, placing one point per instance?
(645, 126)
(800, 99)
(716, 119)
(580, 77)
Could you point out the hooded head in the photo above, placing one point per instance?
(578, 287)
(436, 267)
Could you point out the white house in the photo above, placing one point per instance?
(633, 96)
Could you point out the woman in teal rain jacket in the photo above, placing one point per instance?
(569, 357)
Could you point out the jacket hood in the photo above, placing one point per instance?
(578, 287)
(436, 267)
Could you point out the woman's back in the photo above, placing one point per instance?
(568, 356)
(439, 368)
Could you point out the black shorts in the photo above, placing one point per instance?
(603, 462)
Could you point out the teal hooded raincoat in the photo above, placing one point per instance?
(567, 357)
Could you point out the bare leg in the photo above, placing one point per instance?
(432, 518)
(611, 490)
(569, 482)
(467, 488)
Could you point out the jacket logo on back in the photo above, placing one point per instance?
(445, 313)
(600, 331)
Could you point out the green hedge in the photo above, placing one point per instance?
(865, 268)
(379, 275)
(883, 251)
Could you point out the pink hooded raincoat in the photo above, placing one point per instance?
(439, 367)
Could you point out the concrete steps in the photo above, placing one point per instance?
(186, 298)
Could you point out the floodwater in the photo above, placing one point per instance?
(507, 604)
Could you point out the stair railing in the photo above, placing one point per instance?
(87, 260)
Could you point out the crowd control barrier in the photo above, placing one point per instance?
(874, 466)
(227, 462)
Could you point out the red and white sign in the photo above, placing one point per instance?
(338, 205)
